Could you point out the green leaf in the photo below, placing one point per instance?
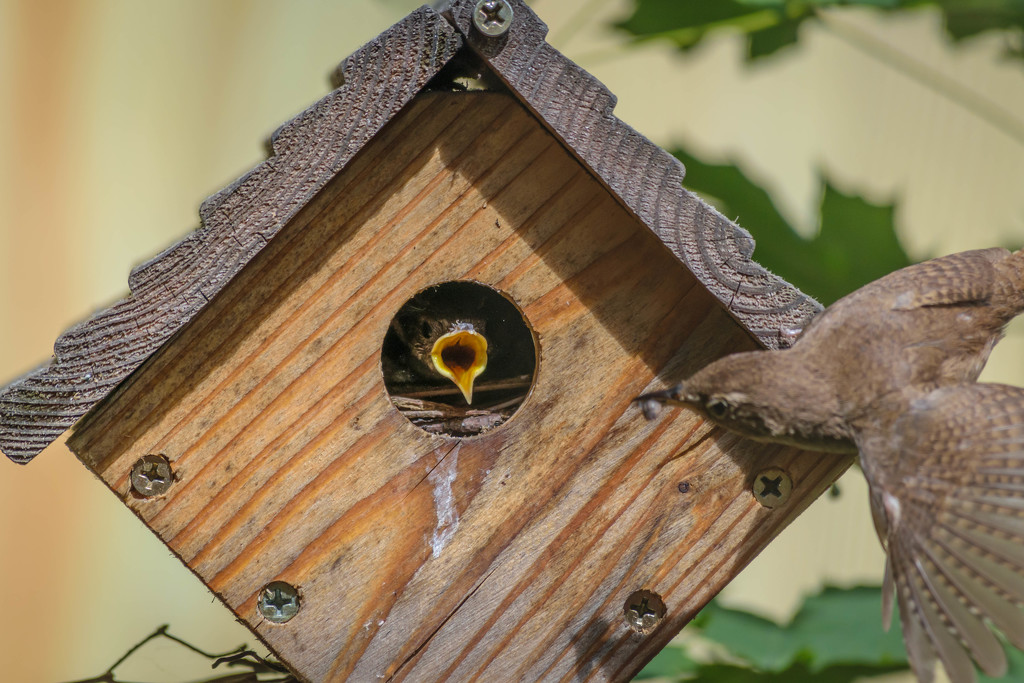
(657, 17)
(796, 5)
(773, 24)
(965, 18)
(798, 673)
(671, 662)
(856, 242)
(762, 643)
(685, 22)
(768, 40)
(835, 628)
(844, 626)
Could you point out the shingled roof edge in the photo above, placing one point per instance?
(375, 82)
(95, 356)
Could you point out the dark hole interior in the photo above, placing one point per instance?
(432, 401)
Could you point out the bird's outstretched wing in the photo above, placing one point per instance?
(931, 324)
(947, 494)
(981, 276)
(977, 276)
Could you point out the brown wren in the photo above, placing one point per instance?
(890, 372)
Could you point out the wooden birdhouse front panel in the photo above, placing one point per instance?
(420, 555)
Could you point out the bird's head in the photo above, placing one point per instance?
(443, 343)
(763, 395)
(734, 393)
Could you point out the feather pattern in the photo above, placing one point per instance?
(955, 531)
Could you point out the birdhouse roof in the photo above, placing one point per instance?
(371, 86)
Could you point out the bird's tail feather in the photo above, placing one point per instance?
(955, 527)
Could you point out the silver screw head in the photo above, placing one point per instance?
(492, 17)
(772, 487)
(644, 610)
(152, 475)
(278, 602)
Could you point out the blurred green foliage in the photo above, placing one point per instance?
(855, 243)
(773, 24)
(832, 628)
(835, 637)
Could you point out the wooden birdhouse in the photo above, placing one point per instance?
(382, 401)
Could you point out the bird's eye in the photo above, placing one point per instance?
(425, 328)
(717, 408)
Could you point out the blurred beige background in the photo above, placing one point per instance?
(118, 117)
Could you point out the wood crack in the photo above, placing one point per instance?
(435, 631)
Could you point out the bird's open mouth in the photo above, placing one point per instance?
(460, 356)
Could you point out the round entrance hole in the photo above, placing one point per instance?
(458, 359)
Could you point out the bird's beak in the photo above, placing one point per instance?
(460, 356)
(651, 403)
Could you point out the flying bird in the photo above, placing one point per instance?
(890, 372)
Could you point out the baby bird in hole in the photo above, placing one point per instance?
(445, 346)
(890, 372)
(453, 333)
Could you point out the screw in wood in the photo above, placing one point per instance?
(772, 487)
(492, 17)
(278, 602)
(151, 475)
(644, 610)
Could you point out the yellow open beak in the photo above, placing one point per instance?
(461, 356)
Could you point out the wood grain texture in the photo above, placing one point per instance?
(91, 359)
(507, 556)
(578, 109)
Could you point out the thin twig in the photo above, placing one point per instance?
(208, 655)
(255, 662)
(238, 656)
(427, 391)
(162, 630)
